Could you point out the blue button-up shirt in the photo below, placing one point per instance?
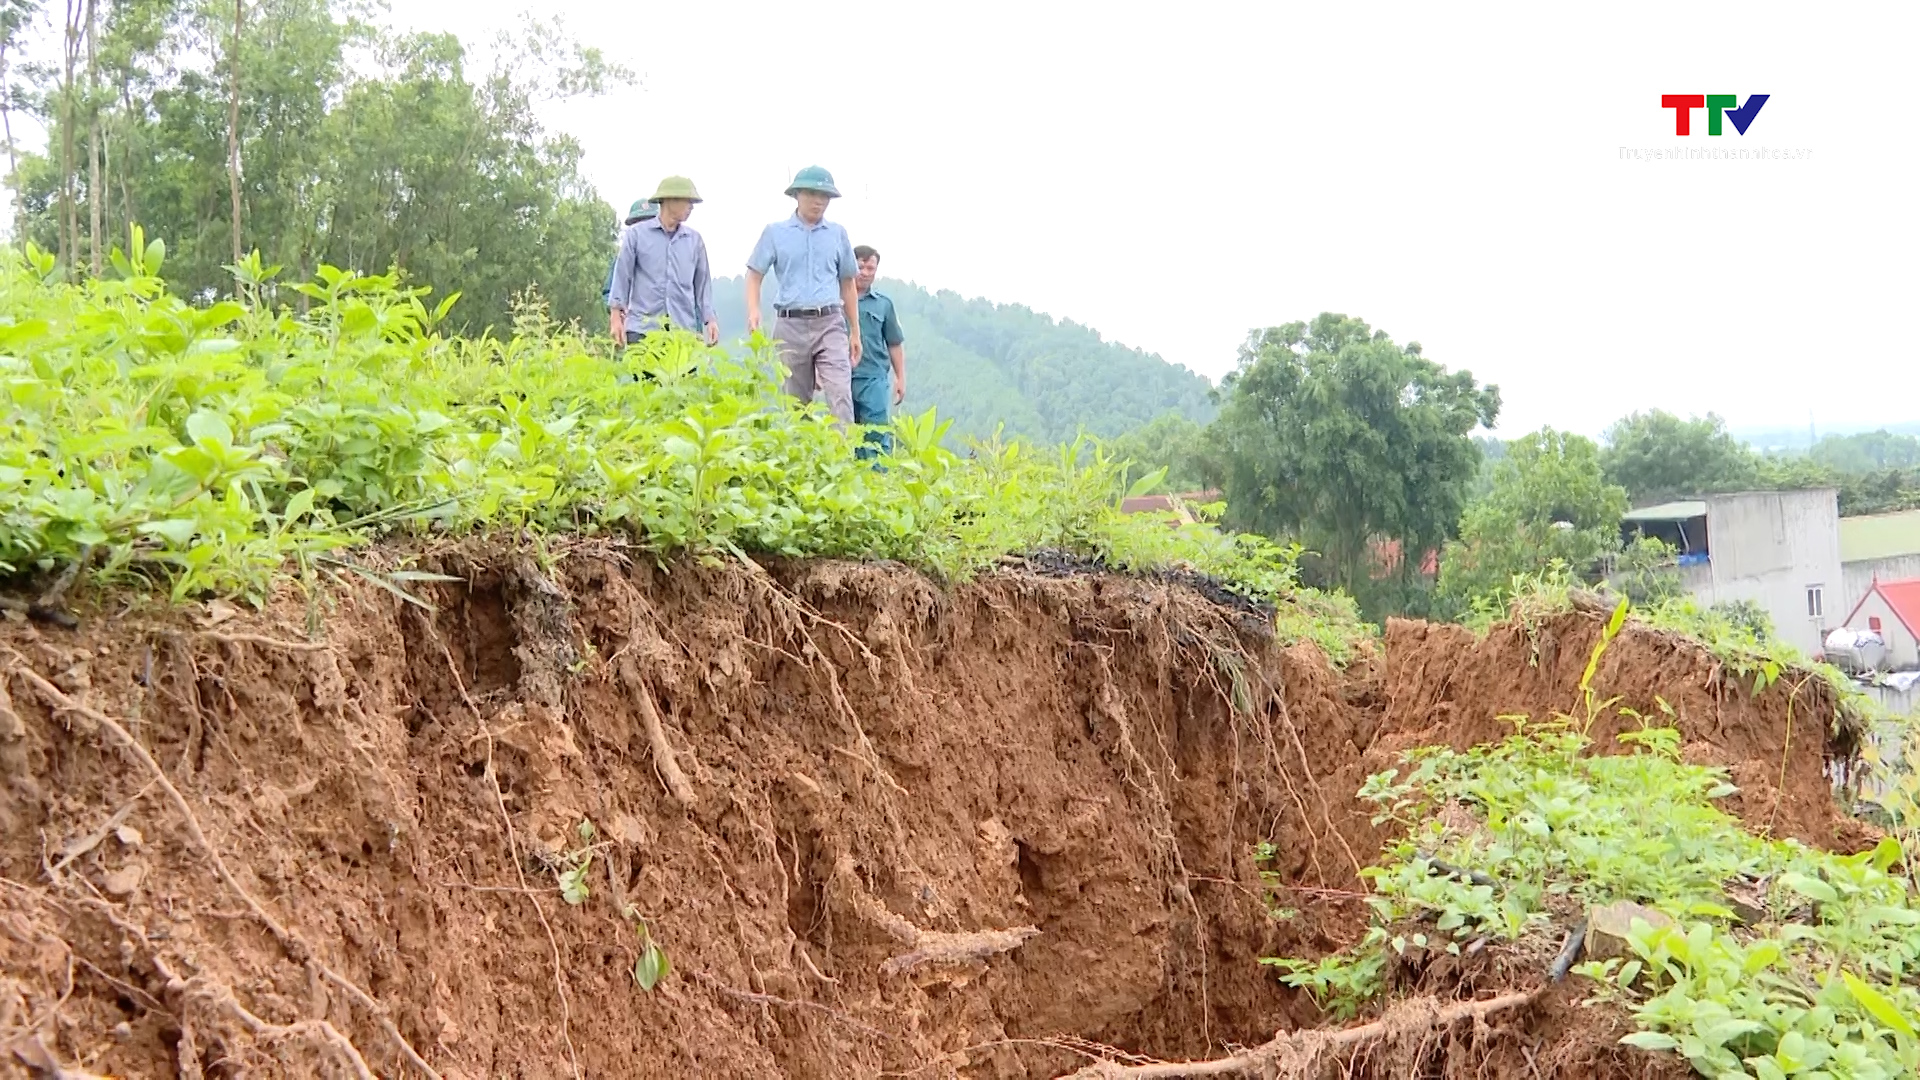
(808, 261)
(660, 273)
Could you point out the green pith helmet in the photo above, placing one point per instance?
(676, 187)
(813, 178)
(641, 210)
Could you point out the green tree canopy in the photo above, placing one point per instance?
(1332, 433)
(1867, 452)
(1549, 500)
(1174, 442)
(403, 158)
(1656, 455)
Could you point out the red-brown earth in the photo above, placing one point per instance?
(878, 827)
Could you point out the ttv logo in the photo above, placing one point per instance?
(1716, 105)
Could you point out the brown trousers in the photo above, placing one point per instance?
(818, 357)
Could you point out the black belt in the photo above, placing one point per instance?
(806, 312)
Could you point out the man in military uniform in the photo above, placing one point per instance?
(814, 302)
(876, 389)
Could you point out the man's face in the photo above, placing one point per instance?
(813, 205)
(869, 269)
(674, 211)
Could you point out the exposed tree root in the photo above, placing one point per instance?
(928, 947)
(30, 1052)
(941, 948)
(296, 947)
(319, 1031)
(1299, 1055)
(264, 641)
(663, 755)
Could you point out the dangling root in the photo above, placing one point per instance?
(296, 947)
(1297, 1055)
(670, 774)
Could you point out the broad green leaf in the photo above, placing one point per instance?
(1878, 1005)
(176, 531)
(205, 427)
(1651, 1040)
(1810, 887)
(573, 882)
(298, 506)
(1147, 483)
(1886, 853)
(651, 968)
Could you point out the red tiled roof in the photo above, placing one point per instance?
(1902, 596)
(1387, 556)
(1147, 503)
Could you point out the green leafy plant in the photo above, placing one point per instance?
(571, 868)
(204, 449)
(1818, 986)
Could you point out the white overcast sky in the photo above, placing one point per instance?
(1176, 174)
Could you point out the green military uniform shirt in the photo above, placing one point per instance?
(873, 376)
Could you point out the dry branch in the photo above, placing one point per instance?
(1299, 1054)
(296, 947)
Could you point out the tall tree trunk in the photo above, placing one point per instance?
(128, 213)
(69, 220)
(233, 123)
(6, 111)
(95, 196)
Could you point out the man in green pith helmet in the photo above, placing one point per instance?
(641, 210)
(661, 280)
(875, 388)
(814, 303)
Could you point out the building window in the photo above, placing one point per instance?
(1873, 623)
(1814, 602)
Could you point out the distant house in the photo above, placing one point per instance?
(1892, 608)
(1157, 504)
(1882, 547)
(1388, 554)
(1778, 549)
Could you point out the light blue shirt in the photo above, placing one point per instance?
(808, 261)
(660, 273)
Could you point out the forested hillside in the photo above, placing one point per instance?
(983, 364)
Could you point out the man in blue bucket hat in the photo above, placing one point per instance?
(814, 301)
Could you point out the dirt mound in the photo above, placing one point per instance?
(1445, 686)
(875, 826)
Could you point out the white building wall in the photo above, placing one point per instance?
(1771, 548)
(1905, 706)
(1858, 577)
(1903, 651)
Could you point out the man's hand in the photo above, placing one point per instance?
(713, 332)
(899, 389)
(617, 323)
(753, 319)
(853, 347)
